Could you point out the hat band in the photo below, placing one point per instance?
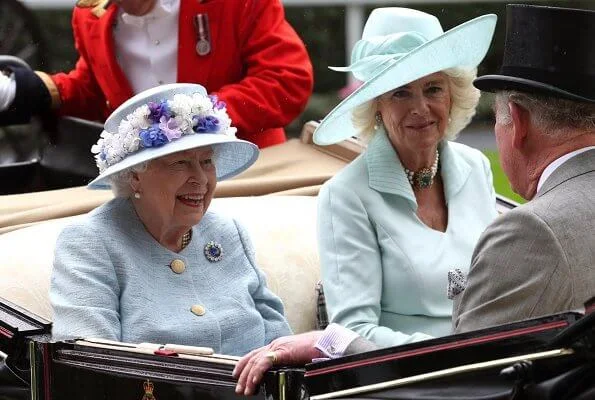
(370, 56)
(574, 82)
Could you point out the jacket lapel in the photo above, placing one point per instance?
(386, 173)
(192, 67)
(577, 165)
(454, 169)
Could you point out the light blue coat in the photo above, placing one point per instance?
(112, 280)
(384, 271)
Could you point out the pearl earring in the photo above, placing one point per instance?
(378, 122)
(136, 195)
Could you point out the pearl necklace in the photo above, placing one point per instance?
(424, 178)
(186, 239)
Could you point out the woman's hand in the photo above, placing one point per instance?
(287, 350)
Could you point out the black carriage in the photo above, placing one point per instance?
(546, 358)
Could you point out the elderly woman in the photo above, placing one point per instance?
(154, 265)
(402, 219)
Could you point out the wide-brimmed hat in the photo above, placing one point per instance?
(165, 120)
(399, 46)
(548, 50)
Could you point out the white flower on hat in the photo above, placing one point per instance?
(184, 124)
(201, 105)
(224, 121)
(139, 118)
(125, 127)
(181, 105)
(131, 142)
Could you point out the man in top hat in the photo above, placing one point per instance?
(245, 52)
(539, 258)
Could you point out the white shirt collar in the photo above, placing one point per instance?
(556, 163)
(161, 9)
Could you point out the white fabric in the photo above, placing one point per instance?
(282, 229)
(334, 340)
(8, 90)
(147, 46)
(549, 170)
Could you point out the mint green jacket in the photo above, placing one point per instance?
(384, 271)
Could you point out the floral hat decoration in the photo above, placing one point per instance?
(165, 120)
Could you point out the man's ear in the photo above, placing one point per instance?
(521, 120)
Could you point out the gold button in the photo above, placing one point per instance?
(177, 266)
(199, 310)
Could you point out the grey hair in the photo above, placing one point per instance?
(121, 182)
(463, 95)
(551, 115)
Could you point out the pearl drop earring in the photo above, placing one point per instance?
(378, 122)
(136, 195)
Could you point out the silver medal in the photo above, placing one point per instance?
(203, 47)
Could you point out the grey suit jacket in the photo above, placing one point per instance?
(537, 259)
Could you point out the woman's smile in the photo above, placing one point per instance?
(421, 125)
(194, 200)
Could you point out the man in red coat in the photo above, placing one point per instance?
(243, 51)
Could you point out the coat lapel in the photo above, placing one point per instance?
(386, 173)
(189, 62)
(455, 170)
(577, 165)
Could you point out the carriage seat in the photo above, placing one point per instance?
(282, 228)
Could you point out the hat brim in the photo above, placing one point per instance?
(463, 46)
(493, 83)
(232, 156)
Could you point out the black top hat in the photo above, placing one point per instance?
(548, 50)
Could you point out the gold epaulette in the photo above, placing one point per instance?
(99, 6)
(87, 3)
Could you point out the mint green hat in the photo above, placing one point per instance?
(399, 46)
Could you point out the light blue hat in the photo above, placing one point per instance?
(399, 46)
(165, 120)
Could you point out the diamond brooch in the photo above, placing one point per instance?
(213, 251)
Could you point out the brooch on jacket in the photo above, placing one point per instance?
(457, 282)
(213, 251)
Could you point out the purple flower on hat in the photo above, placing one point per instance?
(217, 104)
(153, 136)
(159, 110)
(170, 128)
(206, 124)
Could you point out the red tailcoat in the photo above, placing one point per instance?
(258, 65)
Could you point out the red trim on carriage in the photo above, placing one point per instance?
(6, 332)
(438, 347)
(47, 384)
